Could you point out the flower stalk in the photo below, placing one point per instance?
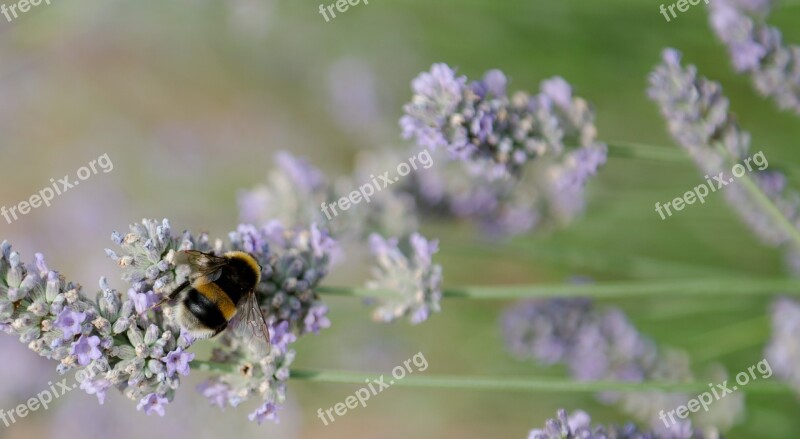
(529, 384)
(708, 287)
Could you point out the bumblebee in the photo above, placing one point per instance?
(219, 294)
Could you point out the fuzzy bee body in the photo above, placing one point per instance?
(220, 293)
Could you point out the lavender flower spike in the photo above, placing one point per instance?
(411, 274)
(604, 345)
(509, 163)
(757, 49)
(698, 117)
(479, 123)
(783, 350)
(292, 194)
(102, 339)
(121, 342)
(578, 426)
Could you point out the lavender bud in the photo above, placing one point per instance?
(53, 286)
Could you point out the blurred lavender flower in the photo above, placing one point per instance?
(292, 195)
(437, 95)
(578, 426)
(496, 134)
(515, 163)
(757, 49)
(604, 345)
(698, 118)
(390, 212)
(411, 274)
(267, 411)
(296, 190)
(316, 319)
(152, 404)
(353, 97)
(783, 350)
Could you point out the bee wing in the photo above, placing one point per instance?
(206, 268)
(250, 325)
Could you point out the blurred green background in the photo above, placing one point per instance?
(190, 100)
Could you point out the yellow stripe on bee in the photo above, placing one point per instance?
(215, 294)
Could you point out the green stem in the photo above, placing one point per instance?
(633, 266)
(649, 152)
(634, 150)
(724, 287)
(209, 366)
(531, 384)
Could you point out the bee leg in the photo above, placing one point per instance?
(171, 296)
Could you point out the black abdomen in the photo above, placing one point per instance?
(205, 311)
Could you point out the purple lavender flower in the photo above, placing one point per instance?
(267, 411)
(578, 426)
(520, 161)
(437, 94)
(478, 123)
(41, 265)
(86, 349)
(178, 361)
(558, 90)
(783, 350)
(69, 322)
(281, 335)
(295, 260)
(316, 319)
(300, 171)
(757, 49)
(699, 120)
(390, 212)
(152, 404)
(604, 345)
(411, 275)
(142, 301)
(127, 344)
(566, 193)
(321, 242)
(292, 194)
(96, 387)
(217, 393)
